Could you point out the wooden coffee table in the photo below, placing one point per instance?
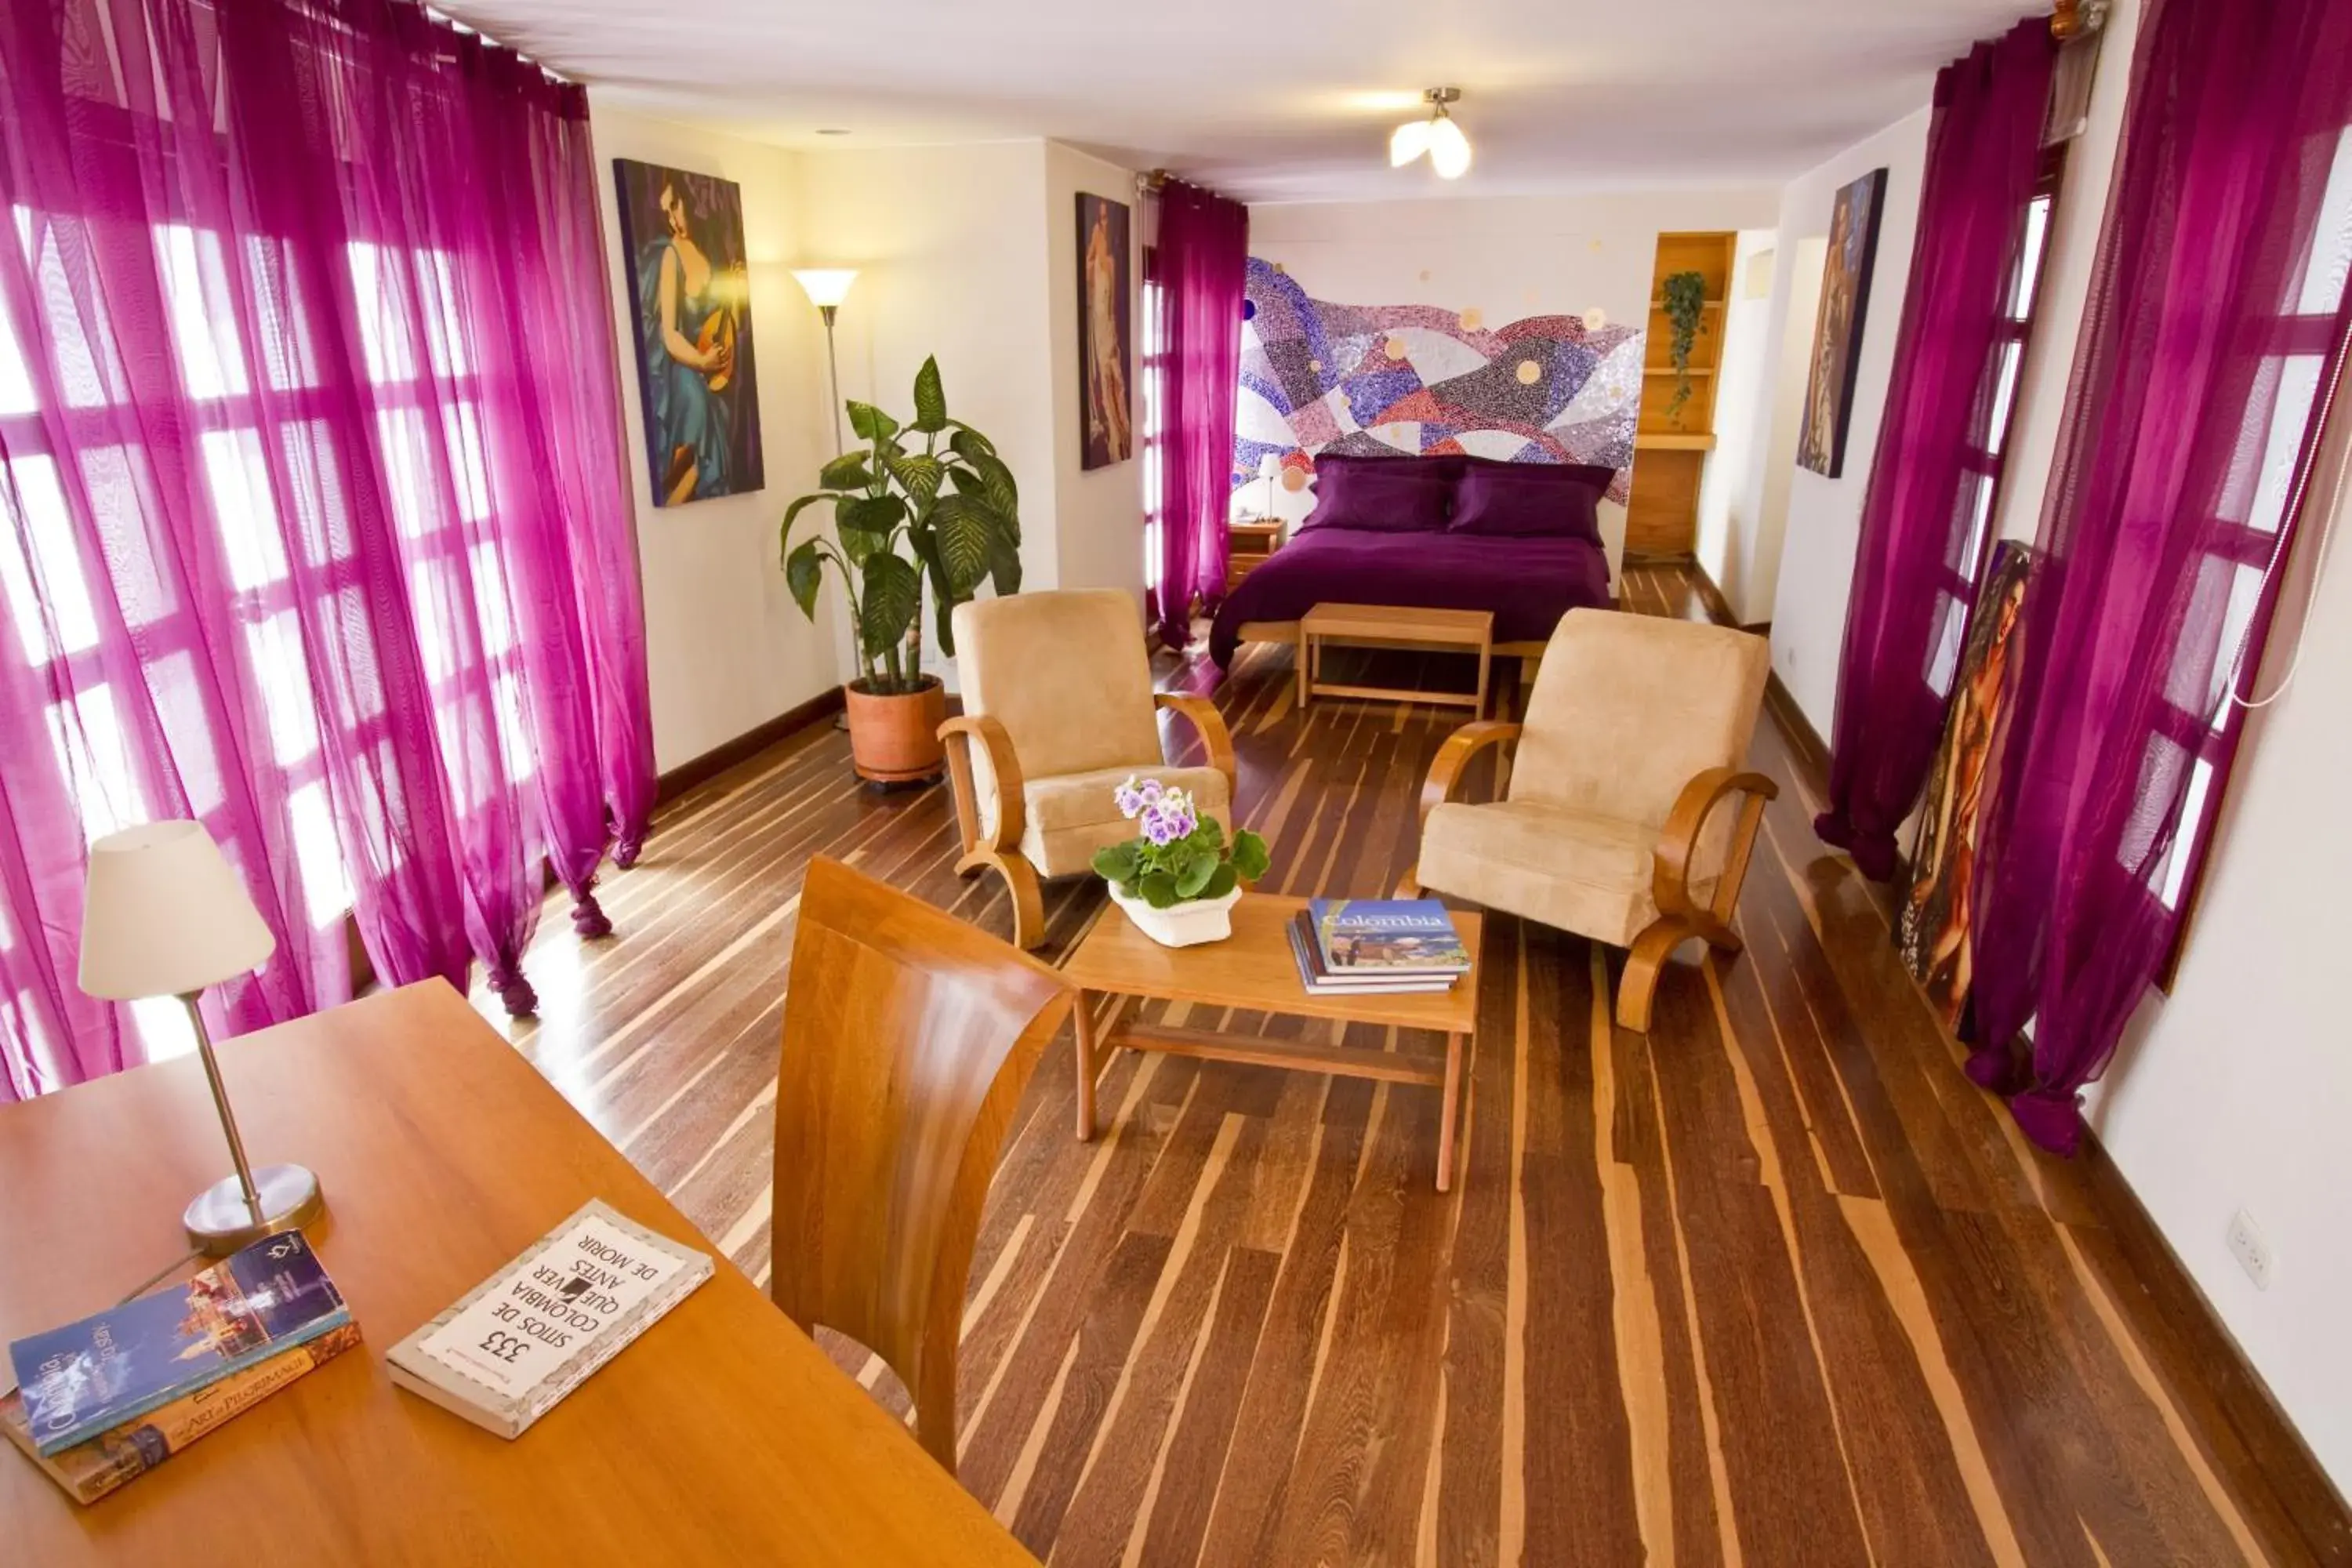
(1393, 625)
(1253, 970)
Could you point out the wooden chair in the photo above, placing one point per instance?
(1635, 732)
(1058, 710)
(908, 1035)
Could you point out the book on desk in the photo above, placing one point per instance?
(107, 1398)
(508, 1351)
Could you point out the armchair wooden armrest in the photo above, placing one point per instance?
(1670, 869)
(998, 850)
(1214, 736)
(958, 735)
(1445, 771)
(1681, 916)
(1453, 759)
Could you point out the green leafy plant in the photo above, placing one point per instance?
(1182, 854)
(928, 499)
(1684, 298)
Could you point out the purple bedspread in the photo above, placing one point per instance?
(1529, 583)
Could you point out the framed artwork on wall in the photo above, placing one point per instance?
(1106, 426)
(1837, 330)
(682, 238)
(1933, 933)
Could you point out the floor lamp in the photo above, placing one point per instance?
(827, 288)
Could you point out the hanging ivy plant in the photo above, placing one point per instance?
(1684, 298)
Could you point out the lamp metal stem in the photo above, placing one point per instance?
(833, 377)
(220, 1102)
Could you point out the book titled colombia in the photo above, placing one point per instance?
(88, 1376)
(1395, 936)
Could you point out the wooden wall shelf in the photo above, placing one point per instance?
(1662, 514)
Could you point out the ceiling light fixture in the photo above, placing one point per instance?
(1448, 149)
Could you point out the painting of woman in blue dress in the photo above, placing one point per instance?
(684, 238)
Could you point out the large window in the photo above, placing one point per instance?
(248, 446)
(1153, 431)
(2198, 723)
(1985, 457)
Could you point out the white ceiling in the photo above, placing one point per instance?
(1282, 99)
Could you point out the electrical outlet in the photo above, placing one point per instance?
(2251, 1248)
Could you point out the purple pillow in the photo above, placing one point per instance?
(1381, 496)
(1531, 500)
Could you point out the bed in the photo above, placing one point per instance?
(1529, 583)
(1445, 531)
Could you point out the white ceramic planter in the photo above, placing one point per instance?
(1187, 924)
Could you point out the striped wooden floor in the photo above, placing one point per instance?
(1772, 1285)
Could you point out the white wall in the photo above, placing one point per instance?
(2236, 1090)
(1809, 579)
(726, 647)
(1507, 257)
(950, 244)
(1742, 420)
(1099, 513)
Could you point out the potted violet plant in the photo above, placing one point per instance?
(1180, 880)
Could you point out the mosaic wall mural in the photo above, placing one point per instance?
(1373, 379)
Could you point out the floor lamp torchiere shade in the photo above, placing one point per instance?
(827, 288)
(164, 914)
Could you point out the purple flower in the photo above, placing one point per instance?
(1137, 796)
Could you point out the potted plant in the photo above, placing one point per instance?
(1683, 297)
(1180, 880)
(943, 508)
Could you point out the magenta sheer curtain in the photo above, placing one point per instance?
(312, 517)
(1983, 152)
(2215, 324)
(1199, 265)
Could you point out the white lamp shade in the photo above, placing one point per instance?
(1408, 142)
(826, 285)
(1449, 150)
(1269, 466)
(163, 914)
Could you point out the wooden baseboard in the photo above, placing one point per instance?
(719, 757)
(2249, 1437)
(1804, 741)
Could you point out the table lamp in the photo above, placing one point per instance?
(163, 914)
(1269, 468)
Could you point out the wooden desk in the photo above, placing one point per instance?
(1394, 625)
(1253, 971)
(723, 1436)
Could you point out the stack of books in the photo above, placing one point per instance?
(106, 1399)
(1354, 946)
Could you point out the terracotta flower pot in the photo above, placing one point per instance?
(896, 739)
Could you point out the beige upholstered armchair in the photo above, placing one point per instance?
(1057, 710)
(1635, 732)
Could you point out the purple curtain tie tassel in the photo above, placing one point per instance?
(2052, 1118)
(514, 990)
(588, 918)
(1874, 853)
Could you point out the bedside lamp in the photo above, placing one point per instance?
(1269, 468)
(164, 915)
